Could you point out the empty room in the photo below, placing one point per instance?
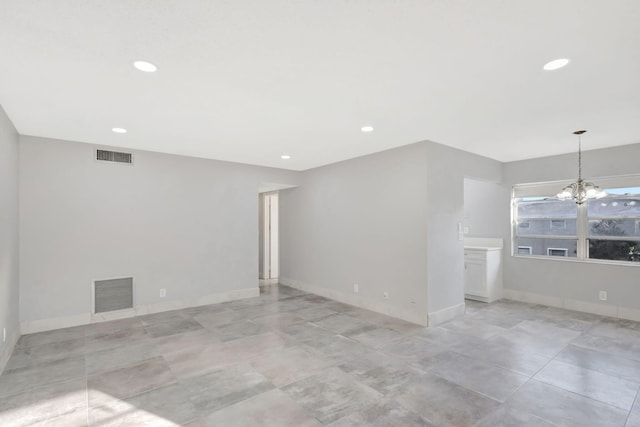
(320, 213)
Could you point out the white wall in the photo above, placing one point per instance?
(448, 168)
(574, 285)
(387, 221)
(484, 212)
(185, 224)
(9, 290)
(361, 221)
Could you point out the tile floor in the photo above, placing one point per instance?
(289, 358)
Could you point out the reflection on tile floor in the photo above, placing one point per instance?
(289, 358)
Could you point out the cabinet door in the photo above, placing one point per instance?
(475, 280)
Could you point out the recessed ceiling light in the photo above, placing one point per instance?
(118, 130)
(556, 64)
(285, 157)
(145, 66)
(366, 128)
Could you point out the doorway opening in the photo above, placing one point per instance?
(269, 259)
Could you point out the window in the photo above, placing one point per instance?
(612, 230)
(550, 223)
(524, 250)
(557, 251)
(601, 229)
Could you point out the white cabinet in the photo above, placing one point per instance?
(483, 273)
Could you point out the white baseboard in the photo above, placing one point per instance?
(41, 325)
(574, 304)
(359, 301)
(264, 282)
(446, 314)
(7, 349)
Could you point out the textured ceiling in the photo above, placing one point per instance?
(247, 81)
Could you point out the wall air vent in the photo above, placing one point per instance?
(113, 294)
(114, 156)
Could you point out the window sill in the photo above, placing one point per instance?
(633, 264)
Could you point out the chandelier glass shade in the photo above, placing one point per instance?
(580, 191)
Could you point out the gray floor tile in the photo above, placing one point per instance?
(164, 406)
(185, 340)
(305, 331)
(77, 418)
(614, 346)
(480, 376)
(29, 356)
(172, 327)
(239, 329)
(545, 330)
(129, 381)
(505, 416)
(102, 328)
(287, 365)
(204, 309)
(449, 339)
(509, 357)
(123, 337)
(43, 403)
(314, 313)
(222, 364)
(633, 419)
(609, 364)
(412, 349)
(49, 337)
(331, 395)
(335, 347)
(23, 379)
(476, 328)
(120, 357)
(215, 320)
(379, 371)
(270, 409)
(525, 342)
(382, 414)
(596, 385)
(163, 316)
(564, 408)
(442, 402)
(377, 337)
(344, 324)
(218, 389)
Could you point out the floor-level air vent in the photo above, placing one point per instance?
(114, 156)
(113, 294)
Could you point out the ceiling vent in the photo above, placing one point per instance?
(113, 295)
(114, 156)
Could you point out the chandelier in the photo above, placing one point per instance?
(580, 191)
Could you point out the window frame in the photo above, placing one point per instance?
(543, 189)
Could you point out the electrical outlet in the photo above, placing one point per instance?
(603, 295)
(386, 295)
(163, 292)
(356, 289)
